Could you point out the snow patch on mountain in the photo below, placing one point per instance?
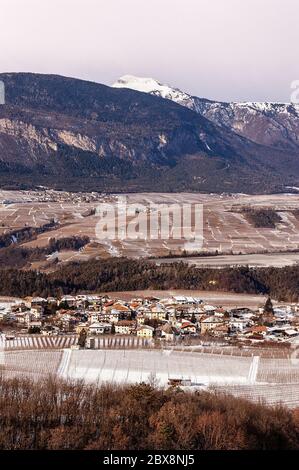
(154, 87)
(201, 105)
(267, 123)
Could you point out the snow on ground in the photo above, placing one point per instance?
(64, 363)
(129, 366)
(254, 378)
(39, 342)
(7, 302)
(35, 364)
(154, 87)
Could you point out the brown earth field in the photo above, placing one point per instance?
(259, 260)
(225, 299)
(224, 227)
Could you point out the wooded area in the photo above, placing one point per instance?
(121, 274)
(60, 415)
(20, 256)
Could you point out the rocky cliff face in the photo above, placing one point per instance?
(271, 124)
(48, 110)
(73, 134)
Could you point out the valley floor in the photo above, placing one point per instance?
(226, 230)
(225, 299)
(258, 260)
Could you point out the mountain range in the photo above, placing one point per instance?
(271, 124)
(140, 135)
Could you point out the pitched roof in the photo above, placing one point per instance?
(120, 307)
(145, 327)
(125, 323)
(259, 329)
(96, 324)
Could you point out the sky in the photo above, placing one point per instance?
(229, 50)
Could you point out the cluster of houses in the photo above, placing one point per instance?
(170, 319)
(51, 195)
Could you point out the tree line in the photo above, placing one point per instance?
(25, 234)
(121, 274)
(20, 256)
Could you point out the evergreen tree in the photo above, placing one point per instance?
(268, 308)
(82, 338)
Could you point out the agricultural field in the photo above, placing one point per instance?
(224, 299)
(226, 230)
(38, 342)
(256, 378)
(270, 394)
(259, 260)
(136, 366)
(35, 364)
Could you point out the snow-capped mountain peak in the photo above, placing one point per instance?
(271, 124)
(154, 87)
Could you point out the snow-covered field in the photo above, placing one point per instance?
(7, 302)
(271, 394)
(131, 366)
(37, 342)
(273, 381)
(259, 260)
(225, 228)
(33, 364)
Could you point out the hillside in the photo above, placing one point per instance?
(271, 124)
(72, 134)
(52, 415)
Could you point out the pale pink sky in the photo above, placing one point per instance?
(222, 49)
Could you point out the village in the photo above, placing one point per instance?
(48, 195)
(175, 320)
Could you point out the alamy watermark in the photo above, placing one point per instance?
(126, 221)
(295, 94)
(2, 92)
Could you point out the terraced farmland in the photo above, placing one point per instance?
(225, 228)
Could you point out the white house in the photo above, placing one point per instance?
(125, 327)
(97, 328)
(145, 331)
